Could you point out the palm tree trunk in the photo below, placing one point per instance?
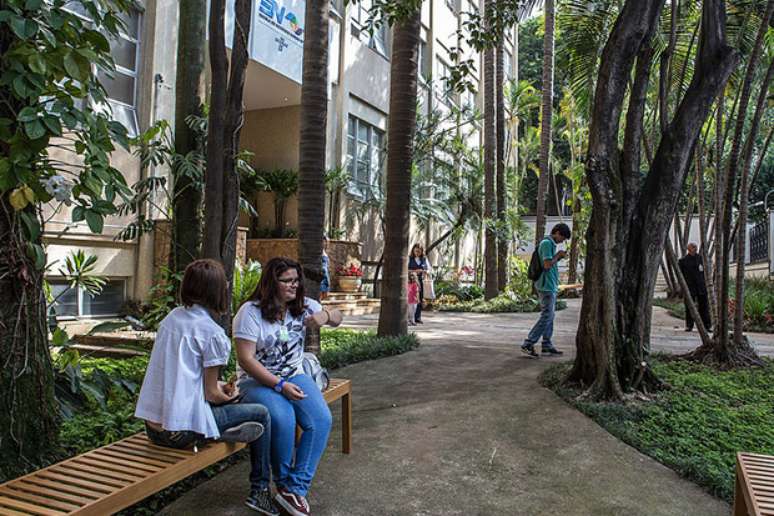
(400, 145)
(502, 238)
(490, 150)
(311, 174)
(189, 95)
(545, 122)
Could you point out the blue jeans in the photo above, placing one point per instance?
(545, 324)
(227, 416)
(311, 414)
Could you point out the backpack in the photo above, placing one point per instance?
(316, 371)
(535, 268)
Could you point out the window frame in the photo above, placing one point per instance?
(375, 147)
(80, 294)
(357, 20)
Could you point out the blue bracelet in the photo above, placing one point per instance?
(278, 387)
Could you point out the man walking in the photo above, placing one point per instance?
(547, 286)
(692, 267)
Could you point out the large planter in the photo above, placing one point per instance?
(349, 283)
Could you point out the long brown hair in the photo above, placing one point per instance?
(204, 283)
(265, 294)
(421, 250)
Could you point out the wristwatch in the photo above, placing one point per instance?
(280, 384)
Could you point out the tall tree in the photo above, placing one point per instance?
(189, 97)
(631, 216)
(314, 116)
(221, 198)
(490, 153)
(400, 156)
(545, 118)
(502, 197)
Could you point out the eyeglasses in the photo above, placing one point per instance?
(289, 281)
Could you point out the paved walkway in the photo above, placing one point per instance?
(462, 427)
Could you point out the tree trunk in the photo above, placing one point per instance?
(502, 238)
(572, 275)
(189, 95)
(225, 124)
(311, 173)
(28, 410)
(630, 218)
(724, 349)
(490, 153)
(545, 119)
(400, 138)
(744, 192)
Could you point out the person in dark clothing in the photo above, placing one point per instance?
(419, 265)
(692, 267)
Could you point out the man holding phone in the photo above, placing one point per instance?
(547, 286)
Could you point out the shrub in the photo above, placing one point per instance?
(342, 347)
(457, 291)
(506, 302)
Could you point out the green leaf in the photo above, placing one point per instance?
(60, 337)
(33, 5)
(32, 225)
(34, 129)
(35, 252)
(73, 64)
(53, 125)
(95, 221)
(7, 178)
(108, 327)
(37, 63)
(19, 26)
(20, 87)
(79, 213)
(28, 114)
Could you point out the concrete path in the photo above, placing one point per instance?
(462, 427)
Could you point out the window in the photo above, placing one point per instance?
(508, 66)
(424, 61)
(444, 91)
(121, 84)
(76, 302)
(452, 5)
(365, 152)
(360, 15)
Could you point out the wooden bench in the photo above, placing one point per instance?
(754, 490)
(113, 477)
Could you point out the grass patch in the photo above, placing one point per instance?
(501, 304)
(100, 426)
(698, 425)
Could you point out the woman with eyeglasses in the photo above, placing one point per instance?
(269, 330)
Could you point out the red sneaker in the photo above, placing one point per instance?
(295, 504)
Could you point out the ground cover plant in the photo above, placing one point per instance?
(107, 418)
(758, 305)
(697, 425)
(506, 302)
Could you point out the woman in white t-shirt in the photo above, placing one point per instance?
(181, 399)
(269, 331)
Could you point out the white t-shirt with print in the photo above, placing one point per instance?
(279, 346)
(172, 393)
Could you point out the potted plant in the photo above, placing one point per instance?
(350, 275)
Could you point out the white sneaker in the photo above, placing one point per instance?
(246, 432)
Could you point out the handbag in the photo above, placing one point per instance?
(429, 289)
(315, 370)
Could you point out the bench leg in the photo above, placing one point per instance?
(740, 503)
(346, 423)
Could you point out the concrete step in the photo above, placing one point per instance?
(346, 296)
(354, 307)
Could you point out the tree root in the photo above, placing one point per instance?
(735, 357)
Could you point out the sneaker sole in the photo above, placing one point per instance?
(258, 509)
(529, 354)
(289, 508)
(243, 433)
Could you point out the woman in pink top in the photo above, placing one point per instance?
(413, 297)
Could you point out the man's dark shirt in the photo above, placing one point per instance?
(692, 268)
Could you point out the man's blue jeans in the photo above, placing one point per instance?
(227, 416)
(544, 327)
(311, 414)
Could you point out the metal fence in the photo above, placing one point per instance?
(759, 243)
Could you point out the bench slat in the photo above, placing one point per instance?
(135, 469)
(133, 460)
(155, 457)
(104, 468)
(79, 482)
(53, 493)
(28, 507)
(150, 448)
(100, 479)
(4, 511)
(58, 486)
(41, 500)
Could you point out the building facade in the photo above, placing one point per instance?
(143, 92)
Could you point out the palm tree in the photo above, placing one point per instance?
(545, 119)
(311, 174)
(502, 239)
(400, 156)
(490, 150)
